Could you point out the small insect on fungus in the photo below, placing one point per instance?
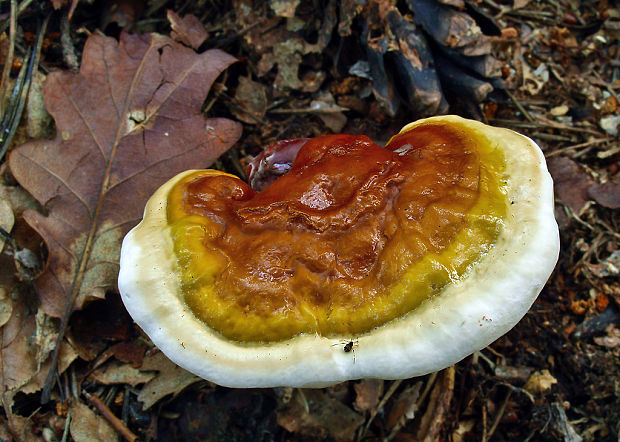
(348, 347)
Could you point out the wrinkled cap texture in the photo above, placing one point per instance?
(419, 254)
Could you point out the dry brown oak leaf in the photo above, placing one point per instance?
(126, 123)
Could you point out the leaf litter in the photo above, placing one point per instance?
(545, 69)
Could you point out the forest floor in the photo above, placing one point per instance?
(549, 69)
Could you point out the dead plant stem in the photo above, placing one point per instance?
(498, 416)
(427, 389)
(65, 433)
(8, 63)
(116, 423)
(380, 405)
(517, 103)
(577, 146)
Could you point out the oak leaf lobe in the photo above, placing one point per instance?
(127, 122)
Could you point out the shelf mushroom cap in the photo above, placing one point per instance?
(469, 313)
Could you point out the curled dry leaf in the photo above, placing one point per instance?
(612, 340)
(119, 373)
(540, 381)
(6, 219)
(187, 30)
(128, 121)
(313, 413)
(170, 379)
(18, 353)
(405, 407)
(606, 194)
(571, 183)
(368, 392)
(251, 100)
(6, 306)
(86, 425)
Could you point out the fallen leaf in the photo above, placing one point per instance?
(279, 43)
(17, 351)
(610, 124)
(66, 356)
(6, 219)
(518, 4)
(405, 406)
(45, 336)
(18, 198)
(329, 112)
(5, 435)
(324, 417)
(606, 194)
(6, 306)
(187, 30)
(437, 407)
(94, 328)
(461, 432)
(38, 120)
(132, 352)
(118, 373)
(121, 13)
(284, 8)
(170, 379)
(571, 183)
(128, 121)
(610, 266)
(534, 79)
(4, 48)
(251, 101)
(87, 426)
(612, 340)
(540, 381)
(368, 392)
(22, 428)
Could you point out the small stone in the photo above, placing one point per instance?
(558, 111)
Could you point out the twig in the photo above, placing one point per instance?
(525, 113)
(438, 404)
(544, 123)
(379, 406)
(66, 44)
(552, 137)
(418, 403)
(545, 17)
(484, 437)
(65, 433)
(8, 63)
(22, 6)
(427, 389)
(498, 416)
(485, 358)
(13, 114)
(415, 390)
(606, 85)
(577, 146)
(519, 390)
(116, 423)
(303, 400)
(310, 110)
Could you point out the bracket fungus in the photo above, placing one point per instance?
(421, 253)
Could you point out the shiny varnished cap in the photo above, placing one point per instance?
(421, 252)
